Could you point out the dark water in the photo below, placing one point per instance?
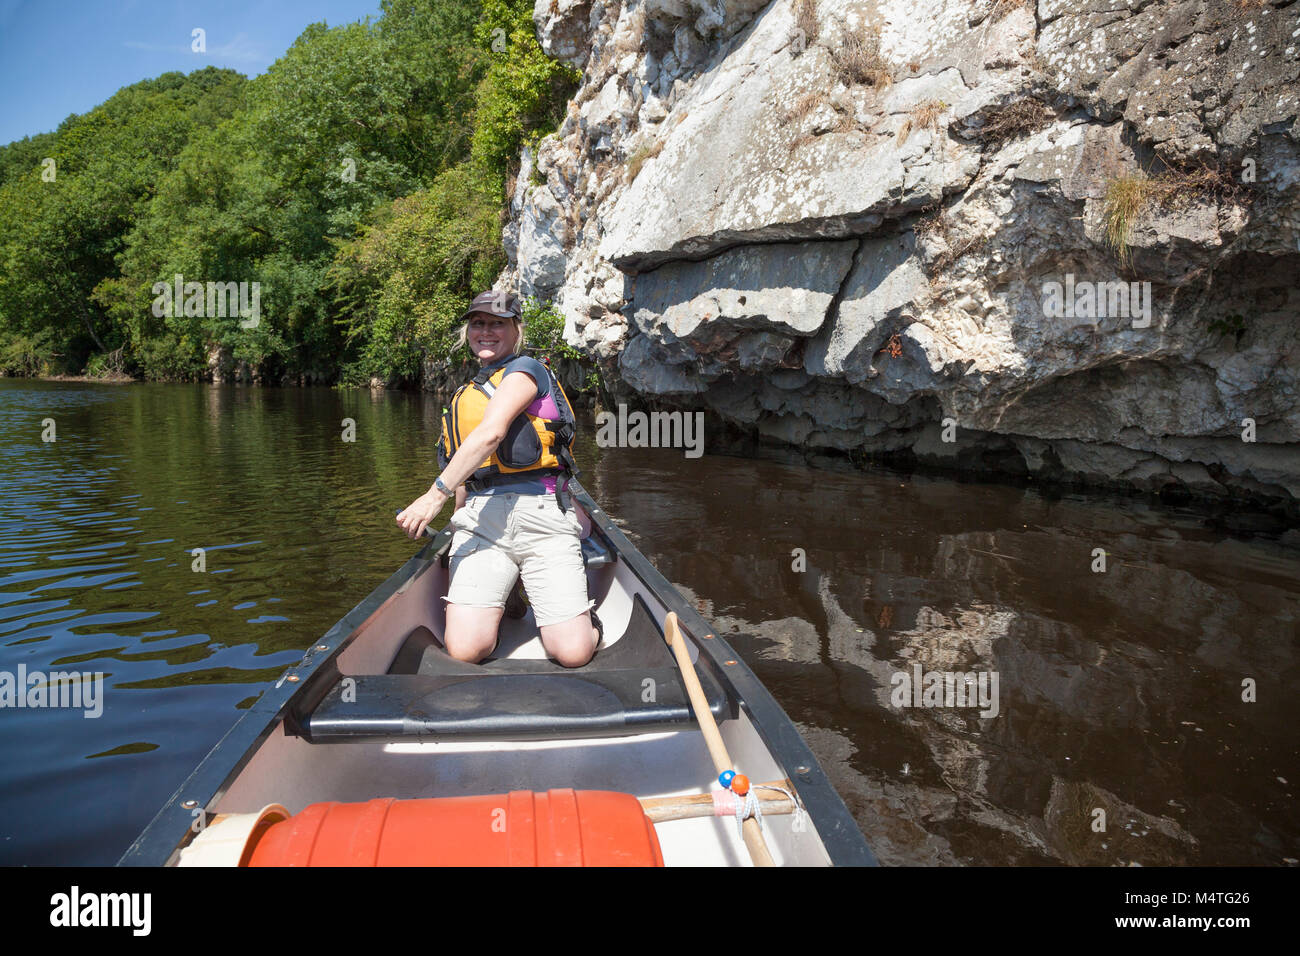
(1119, 691)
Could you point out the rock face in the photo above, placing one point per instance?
(1055, 238)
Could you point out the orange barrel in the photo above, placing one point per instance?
(522, 828)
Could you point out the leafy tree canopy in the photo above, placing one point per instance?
(359, 183)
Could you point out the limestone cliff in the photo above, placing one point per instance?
(1059, 238)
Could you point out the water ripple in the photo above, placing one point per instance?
(1119, 689)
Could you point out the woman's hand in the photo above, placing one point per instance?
(420, 512)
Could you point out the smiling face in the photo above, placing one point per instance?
(491, 337)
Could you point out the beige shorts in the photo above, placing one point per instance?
(498, 538)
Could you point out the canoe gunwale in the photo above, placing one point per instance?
(161, 840)
(207, 784)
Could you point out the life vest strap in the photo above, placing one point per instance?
(489, 481)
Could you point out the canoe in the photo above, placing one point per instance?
(378, 747)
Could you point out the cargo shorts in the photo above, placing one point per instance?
(498, 538)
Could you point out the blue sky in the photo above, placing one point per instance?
(67, 56)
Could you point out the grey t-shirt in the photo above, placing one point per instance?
(539, 374)
(523, 363)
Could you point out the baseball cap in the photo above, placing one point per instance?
(502, 304)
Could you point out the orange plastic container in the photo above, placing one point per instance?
(556, 828)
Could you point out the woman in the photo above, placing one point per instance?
(504, 447)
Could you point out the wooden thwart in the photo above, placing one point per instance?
(663, 809)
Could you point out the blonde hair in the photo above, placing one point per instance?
(462, 340)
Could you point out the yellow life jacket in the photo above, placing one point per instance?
(533, 446)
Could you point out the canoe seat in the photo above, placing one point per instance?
(594, 553)
(632, 687)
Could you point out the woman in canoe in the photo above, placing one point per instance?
(505, 445)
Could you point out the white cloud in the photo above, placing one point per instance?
(156, 47)
(240, 49)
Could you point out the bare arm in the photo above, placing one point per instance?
(517, 392)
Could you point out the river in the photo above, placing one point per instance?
(1145, 658)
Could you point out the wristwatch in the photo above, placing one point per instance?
(441, 486)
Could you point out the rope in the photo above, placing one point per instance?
(728, 803)
(747, 808)
(799, 811)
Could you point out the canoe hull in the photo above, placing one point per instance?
(269, 756)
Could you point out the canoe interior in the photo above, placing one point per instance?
(285, 765)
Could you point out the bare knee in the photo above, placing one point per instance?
(572, 643)
(574, 655)
(470, 648)
(471, 633)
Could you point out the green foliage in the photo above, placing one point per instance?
(106, 365)
(523, 95)
(406, 280)
(1233, 324)
(28, 354)
(544, 335)
(544, 330)
(432, 43)
(170, 358)
(22, 159)
(359, 182)
(97, 367)
(59, 239)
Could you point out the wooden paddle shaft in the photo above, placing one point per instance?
(662, 809)
(758, 850)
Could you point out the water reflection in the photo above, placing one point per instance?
(98, 532)
(1119, 691)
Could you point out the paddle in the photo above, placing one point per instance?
(754, 841)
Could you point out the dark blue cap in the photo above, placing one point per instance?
(501, 304)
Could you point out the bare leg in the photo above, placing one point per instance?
(472, 631)
(572, 642)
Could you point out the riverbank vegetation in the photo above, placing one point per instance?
(357, 186)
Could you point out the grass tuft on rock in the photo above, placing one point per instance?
(802, 107)
(1129, 197)
(857, 60)
(805, 20)
(640, 156)
(1005, 123)
(957, 240)
(924, 115)
(1002, 8)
